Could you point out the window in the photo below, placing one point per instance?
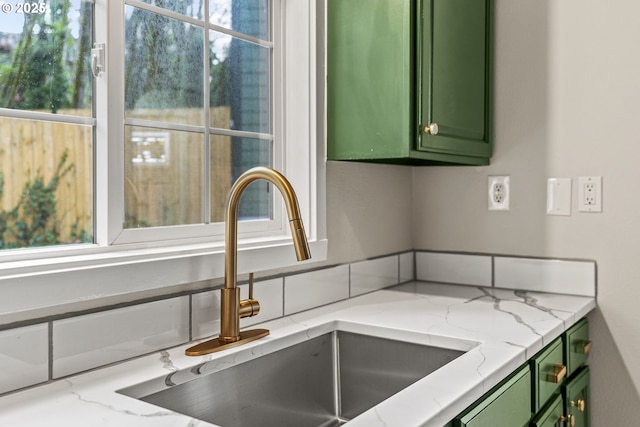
(191, 94)
(219, 126)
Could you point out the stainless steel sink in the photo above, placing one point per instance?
(322, 381)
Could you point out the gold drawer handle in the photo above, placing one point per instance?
(580, 404)
(558, 373)
(569, 419)
(586, 348)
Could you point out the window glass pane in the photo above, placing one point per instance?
(193, 8)
(163, 68)
(249, 17)
(221, 174)
(163, 177)
(232, 156)
(46, 183)
(240, 81)
(45, 56)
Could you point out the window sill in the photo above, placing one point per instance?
(84, 282)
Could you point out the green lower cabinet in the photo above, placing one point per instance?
(576, 395)
(548, 373)
(549, 390)
(551, 415)
(577, 346)
(508, 405)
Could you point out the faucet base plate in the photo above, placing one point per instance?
(215, 345)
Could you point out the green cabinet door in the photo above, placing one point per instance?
(577, 346)
(455, 78)
(552, 415)
(577, 393)
(548, 373)
(370, 79)
(393, 65)
(508, 405)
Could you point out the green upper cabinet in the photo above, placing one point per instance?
(395, 67)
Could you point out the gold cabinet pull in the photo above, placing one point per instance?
(569, 419)
(580, 404)
(431, 128)
(557, 374)
(586, 348)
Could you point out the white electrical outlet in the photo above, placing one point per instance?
(499, 193)
(590, 194)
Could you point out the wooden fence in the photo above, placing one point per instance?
(30, 150)
(163, 185)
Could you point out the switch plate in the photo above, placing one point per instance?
(559, 196)
(499, 193)
(590, 194)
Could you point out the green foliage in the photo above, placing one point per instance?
(33, 221)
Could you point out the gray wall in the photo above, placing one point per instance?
(567, 104)
(368, 210)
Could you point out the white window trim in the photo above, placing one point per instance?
(78, 277)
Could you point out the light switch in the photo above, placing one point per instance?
(559, 196)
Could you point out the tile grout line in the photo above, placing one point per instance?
(493, 271)
(50, 350)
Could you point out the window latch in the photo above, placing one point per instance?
(97, 59)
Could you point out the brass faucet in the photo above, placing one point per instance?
(231, 307)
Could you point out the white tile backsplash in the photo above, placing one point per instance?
(372, 275)
(205, 314)
(92, 340)
(24, 357)
(463, 269)
(407, 267)
(546, 275)
(315, 288)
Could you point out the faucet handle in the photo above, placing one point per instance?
(250, 285)
(250, 306)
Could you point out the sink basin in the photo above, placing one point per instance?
(322, 381)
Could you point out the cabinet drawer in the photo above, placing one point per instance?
(549, 372)
(552, 415)
(506, 406)
(577, 346)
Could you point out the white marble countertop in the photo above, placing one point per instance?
(501, 329)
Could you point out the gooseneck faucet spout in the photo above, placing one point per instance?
(231, 307)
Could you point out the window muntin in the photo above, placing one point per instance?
(193, 8)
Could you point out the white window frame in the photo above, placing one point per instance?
(44, 281)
